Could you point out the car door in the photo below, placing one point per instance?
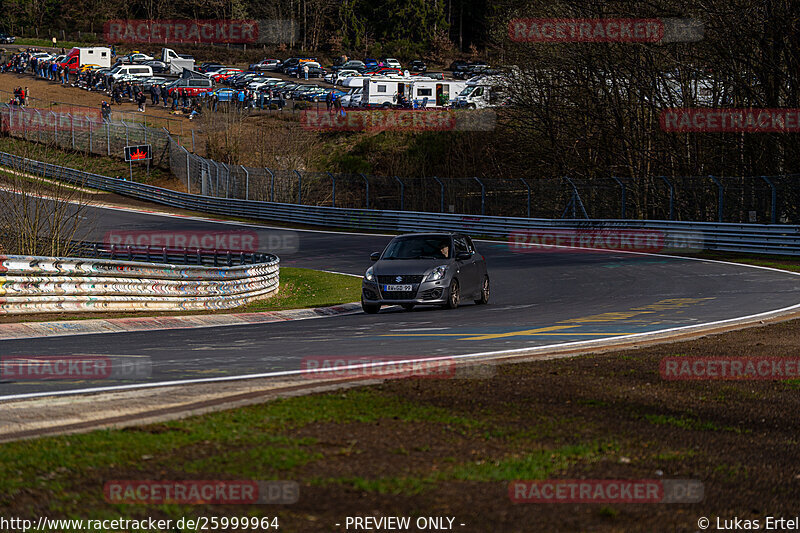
(468, 268)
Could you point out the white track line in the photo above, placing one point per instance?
(517, 351)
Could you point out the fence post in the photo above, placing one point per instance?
(299, 188)
(272, 185)
(333, 190)
(441, 194)
(108, 138)
(216, 178)
(126, 132)
(402, 193)
(367, 182)
(188, 179)
(55, 128)
(89, 121)
(227, 180)
(529, 196)
(720, 200)
(483, 195)
(193, 150)
(773, 208)
(671, 197)
(622, 186)
(246, 182)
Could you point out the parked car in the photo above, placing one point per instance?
(352, 64)
(192, 86)
(338, 78)
(136, 57)
(270, 65)
(157, 66)
(434, 75)
(391, 62)
(225, 73)
(314, 70)
(242, 81)
(458, 63)
(370, 63)
(7, 39)
(417, 65)
(290, 65)
(224, 94)
(208, 67)
(425, 269)
(470, 69)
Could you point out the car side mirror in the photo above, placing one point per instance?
(374, 256)
(463, 256)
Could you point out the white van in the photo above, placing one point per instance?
(353, 97)
(136, 71)
(482, 92)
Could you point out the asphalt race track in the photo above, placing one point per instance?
(538, 298)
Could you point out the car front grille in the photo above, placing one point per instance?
(406, 279)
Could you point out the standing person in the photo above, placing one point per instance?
(329, 100)
(105, 111)
(153, 95)
(141, 99)
(305, 71)
(165, 94)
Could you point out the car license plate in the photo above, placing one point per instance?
(398, 288)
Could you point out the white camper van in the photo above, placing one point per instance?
(482, 92)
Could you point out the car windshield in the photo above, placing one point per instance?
(419, 247)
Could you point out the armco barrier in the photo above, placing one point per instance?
(749, 238)
(31, 284)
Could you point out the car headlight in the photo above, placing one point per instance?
(437, 273)
(369, 276)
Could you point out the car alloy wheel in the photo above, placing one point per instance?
(484, 299)
(453, 295)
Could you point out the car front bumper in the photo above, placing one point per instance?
(425, 293)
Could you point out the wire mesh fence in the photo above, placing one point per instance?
(760, 199)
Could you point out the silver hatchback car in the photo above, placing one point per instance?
(425, 269)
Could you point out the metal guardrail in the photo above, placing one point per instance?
(750, 238)
(175, 256)
(46, 284)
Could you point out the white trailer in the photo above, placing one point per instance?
(79, 57)
(433, 93)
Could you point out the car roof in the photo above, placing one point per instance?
(430, 234)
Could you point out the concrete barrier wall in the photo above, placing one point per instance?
(31, 284)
